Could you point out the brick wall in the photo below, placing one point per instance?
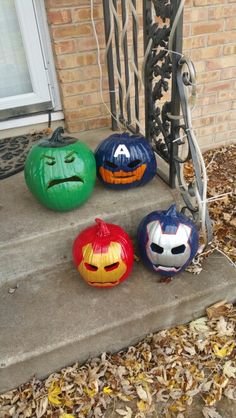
(209, 39)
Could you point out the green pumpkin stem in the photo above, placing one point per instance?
(56, 136)
(103, 230)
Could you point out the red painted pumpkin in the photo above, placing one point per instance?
(103, 254)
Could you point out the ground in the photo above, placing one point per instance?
(185, 372)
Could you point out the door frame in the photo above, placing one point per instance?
(36, 40)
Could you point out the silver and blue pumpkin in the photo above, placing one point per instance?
(168, 241)
(125, 161)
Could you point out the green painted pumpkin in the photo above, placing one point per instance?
(60, 172)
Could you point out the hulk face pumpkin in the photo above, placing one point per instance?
(60, 172)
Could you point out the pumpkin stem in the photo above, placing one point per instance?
(172, 211)
(56, 136)
(102, 228)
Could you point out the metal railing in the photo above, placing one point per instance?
(159, 73)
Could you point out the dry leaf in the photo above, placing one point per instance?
(230, 393)
(199, 325)
(141, 393)
(210, 413)
(142, 406)
(225, 351)
(217, 310)
(229, 370)
(41, 407)
(125, 414)
(54, 393)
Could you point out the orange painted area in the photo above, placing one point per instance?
(122, 177)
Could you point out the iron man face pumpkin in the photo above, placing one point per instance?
(125, 161)
(103, 254)
(102, 269)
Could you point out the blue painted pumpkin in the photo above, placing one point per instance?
(168, 241)
(125, 161)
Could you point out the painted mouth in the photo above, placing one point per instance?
(55, 182)
(104, 284)
(166, 268)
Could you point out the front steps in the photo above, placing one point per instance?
(53, 318)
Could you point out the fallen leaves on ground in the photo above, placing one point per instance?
(221, 172)
(169, 369)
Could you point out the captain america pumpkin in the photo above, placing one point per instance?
(168, 241)
(125, 161)
(103, 254)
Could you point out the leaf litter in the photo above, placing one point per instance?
(221, 173)
(168, 370)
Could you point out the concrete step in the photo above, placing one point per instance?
(54, 318)
(33, 237)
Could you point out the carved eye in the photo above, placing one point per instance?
(156, 248)
(91, 267)
(111, 267)
(51, 162)
(134, 163)
(70, 159)
(178, 250)
(110, 164)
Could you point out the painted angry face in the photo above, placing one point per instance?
(103, 254)
(125, 161)
(60, 172)
(102, 269)
(168, 241)
(168, 252)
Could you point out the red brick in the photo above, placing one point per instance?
(230, 49)
(84, 113)
(75, 60)
(215, 64)
(98, 123)
(230, 23)
(221, 38)
(195, 14)
(79, 14)
(212, 87)
(78, 74)
(208, 77)
(65, 47)
(207, 27)
(221, 12)
(76, 127)
(59, 17)
(72, 31)
(89, 86)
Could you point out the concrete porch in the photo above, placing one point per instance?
(53, 318)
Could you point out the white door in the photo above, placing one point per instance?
(24, 84)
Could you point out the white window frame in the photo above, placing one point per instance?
(36, 40)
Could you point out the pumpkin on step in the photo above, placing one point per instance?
(168, 241)
(60, 172)
(125, 161)
(103, 254)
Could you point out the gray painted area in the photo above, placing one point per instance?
(54, 318)
(33, 237)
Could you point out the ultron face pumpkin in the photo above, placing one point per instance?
(168, 241)
(125, 161)
(103, 254)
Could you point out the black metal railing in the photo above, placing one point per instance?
(159, 74)
(168, 76)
